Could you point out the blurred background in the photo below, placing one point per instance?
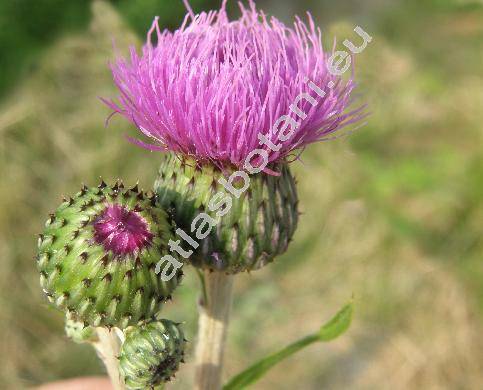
(394, 212)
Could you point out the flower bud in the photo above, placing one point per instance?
(98, 253)
(251, 218)
(151, 354)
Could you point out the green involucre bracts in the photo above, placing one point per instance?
(79, 332)
(257, 227)
(151, 354)
(97, 256)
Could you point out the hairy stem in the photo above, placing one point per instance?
(214, 310)
(108, 351)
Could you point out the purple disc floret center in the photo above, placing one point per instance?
(121, 231)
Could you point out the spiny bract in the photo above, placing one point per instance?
(257, 227)
(151, 354)
(98, 253)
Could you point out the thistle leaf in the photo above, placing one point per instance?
(331, 330)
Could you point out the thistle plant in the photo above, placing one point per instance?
(229, 104)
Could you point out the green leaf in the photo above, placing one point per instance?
(331, 330)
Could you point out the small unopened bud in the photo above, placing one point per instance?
(151, 354)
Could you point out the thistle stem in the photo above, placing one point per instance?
(108, 351)
(214, 310)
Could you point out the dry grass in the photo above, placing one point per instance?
(392, 217)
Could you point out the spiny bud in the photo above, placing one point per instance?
(80, 332)
(98, 253)
(248, 229)
(151, 354)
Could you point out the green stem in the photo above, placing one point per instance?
(108, 351)
(212, 328)
(203, 285)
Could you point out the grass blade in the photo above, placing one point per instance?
(331, 330)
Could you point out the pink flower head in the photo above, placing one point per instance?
(210, 88)
(121, 231)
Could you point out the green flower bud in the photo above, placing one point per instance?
(151, 354)
(252, 218)
(98, 253)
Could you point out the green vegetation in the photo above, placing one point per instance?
(392, 214)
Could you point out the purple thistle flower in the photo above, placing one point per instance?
(121, 231)
(208, 89)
